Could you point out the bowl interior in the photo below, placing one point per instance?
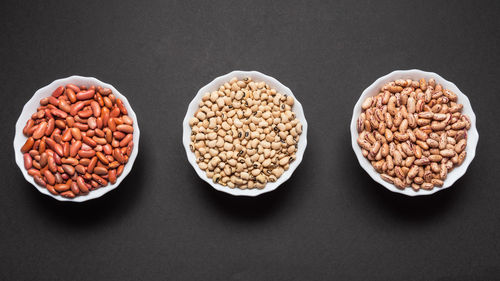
(31, 106)
(214, 85)
(416, 74)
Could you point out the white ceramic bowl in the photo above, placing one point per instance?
(31, 106)
(415, 74)
(214, 85)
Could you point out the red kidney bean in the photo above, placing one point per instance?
(86, 153)
(74, 188)
(125, 128)
(100, 171)
(36, 145)
(68, 194)
(119, 171)
(51, 189)
(28, 145)
(112, 176)
(60, 124)
(58, 149)
(29, 124)
(75, 147)
(80, 169)
(64, 106)
(44, 101)
(92, 164)
(50, 127)
(127, 120)
(102, 158)
(59, 113)
(40, 130)
(105, 115)
(118, 135)
(76, 133)
(52, 164)
(96, 108)
(99, 141)
(115, 112)
(105, 91)
(92, 122)
(85, 113)
(57, 158)
(51, 179)
(76, 107)
(71, 95)
(81, 185)
(126, 140)
(38, 180)
(111, 124)
(70, 170)
(90, 142)
(66, 149)
(44, 159)
(53, 101)
(118, 155)
(32, 172)
(121, 106)
(130, 147)
(59, 91)
(73, 87)
(107, 149)
(61, 187)
(81, 127)
(99, 180)
(85, 95)
(42, 146)
(28, 161)
(100, 133)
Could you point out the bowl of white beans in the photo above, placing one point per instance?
(245, 140)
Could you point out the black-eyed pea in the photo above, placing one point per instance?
(240, 167)
(255, 157)
(283, 161)
(210, 174)
(261, 158)
(251, 152)
(255, 172)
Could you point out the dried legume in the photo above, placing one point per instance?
(73, 146)
(413, 133)
(245, 134)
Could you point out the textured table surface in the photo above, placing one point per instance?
(330, 221)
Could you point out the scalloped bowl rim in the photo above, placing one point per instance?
(214, 85)
(472, 134)
(30, 107)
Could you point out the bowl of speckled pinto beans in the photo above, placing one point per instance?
(414, 132)
(245, 133)
(76, 139)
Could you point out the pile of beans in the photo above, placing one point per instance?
(245, 134)
(78, 140)
(414, 133)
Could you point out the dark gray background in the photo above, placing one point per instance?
(329, 221)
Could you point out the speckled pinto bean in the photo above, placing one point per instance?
(245, 134)
(423, 128)
(71, 148)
